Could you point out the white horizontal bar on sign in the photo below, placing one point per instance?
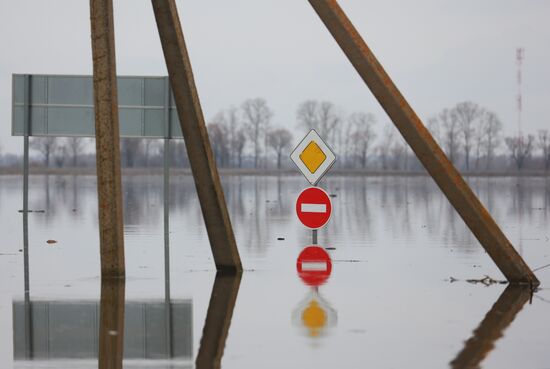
(314, 266)
(314, 208)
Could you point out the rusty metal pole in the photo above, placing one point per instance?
(203, 165)
(457, 191)
(111, 237)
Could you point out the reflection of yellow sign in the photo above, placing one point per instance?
(312, 156)
(314, 318)
(314, 315)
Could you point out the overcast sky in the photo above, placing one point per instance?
(439, 52)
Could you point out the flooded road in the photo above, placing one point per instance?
(402, 289)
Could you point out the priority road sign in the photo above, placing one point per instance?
(314, 266)
(313, 157)
(313, 207)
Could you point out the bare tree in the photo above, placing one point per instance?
(257, 116)
(60, 156)
(130, 149)
(178, 153)
(149, 146)
(75, 146)
(434, 128)
(398, 151)
(544, 146)
(520, 149)
(466, 114)
(239, 143)
(279, 140)
(384, 148)
(492, 129)
(451, 139)
(236, 134)
(46, 146)
(320, 116)
(218, 135)
(363, 135)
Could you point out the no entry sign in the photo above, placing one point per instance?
(314, 265)
(313, 207)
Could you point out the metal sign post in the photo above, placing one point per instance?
(314, 158)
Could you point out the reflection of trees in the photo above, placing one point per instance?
(140, 194)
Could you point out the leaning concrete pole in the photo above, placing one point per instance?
(203, 165)
(423, 144)
(111, 237)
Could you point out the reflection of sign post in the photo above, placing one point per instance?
(313, 207)
(314, 266)
(313, 157)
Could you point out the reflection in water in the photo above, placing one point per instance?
(218, 319)
(256, 202)
(492, 327)
(314, 315)
(69, 329)
(111, 324)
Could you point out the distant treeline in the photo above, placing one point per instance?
(245, 137)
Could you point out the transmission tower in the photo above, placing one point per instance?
(519, 62)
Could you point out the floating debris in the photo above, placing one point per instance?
(350, 261)
(486, 281)
(51, 242)
(280, 238)
(330, 248)
(333, 195)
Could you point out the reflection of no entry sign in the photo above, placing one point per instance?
(314, 265)
(313, 207)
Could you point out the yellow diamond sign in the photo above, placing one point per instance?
(313, 157)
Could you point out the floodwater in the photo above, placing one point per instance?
(399, 295)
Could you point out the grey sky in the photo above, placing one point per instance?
(438, 52)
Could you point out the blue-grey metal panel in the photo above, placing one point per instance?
(62, 105)
(131, 122)
(81, 122)
(152, 128)
(69, 90)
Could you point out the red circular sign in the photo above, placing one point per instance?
(313, 207)
(314, 265)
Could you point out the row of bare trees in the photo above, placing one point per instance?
(234, 130)
(471, 134)
(245, 136)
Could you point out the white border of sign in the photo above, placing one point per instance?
(313, 178)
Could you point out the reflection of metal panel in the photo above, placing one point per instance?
(69, 330)
(64, 106)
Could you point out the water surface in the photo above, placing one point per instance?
(397, 296)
